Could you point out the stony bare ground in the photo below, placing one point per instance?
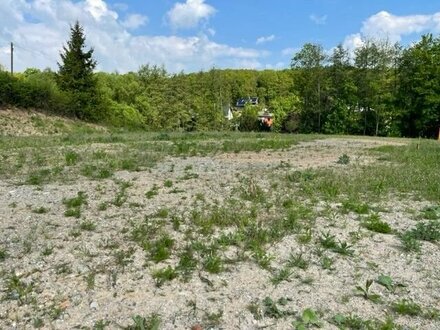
(75, 281)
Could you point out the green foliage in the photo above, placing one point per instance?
(308, 319)
(76, 77)
(374, 223)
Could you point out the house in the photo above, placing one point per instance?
(241, 102)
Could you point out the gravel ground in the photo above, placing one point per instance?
(73, 280)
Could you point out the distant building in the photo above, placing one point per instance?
(241, 102)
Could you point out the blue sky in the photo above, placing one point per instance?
(194, 35)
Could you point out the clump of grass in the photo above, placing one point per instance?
(409, 243)
(344, 159)
(3, 254)
(74, 204)
(154, 191)
(16, 289)
(426, 231)
(328, 241)
(87, 225)
(281, 275)
(121, 196)
(308, 319)
(298, 260)
(273, 309)
(213, 263)
(71, 157)
(168, 183)
(96, 172)
(163, 275)
(141, 323)
(38, 177)
(161, 248)
(406, 307)
(41, 210)
(374, 223)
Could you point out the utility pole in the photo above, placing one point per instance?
(12, 58)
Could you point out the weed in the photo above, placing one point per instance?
(87, 225)
(96, 172)
(101, 325)
(343, 248)
(365, 292)
(298, 261)
(163, 275)
(255, 309)
(327, 263)
(328, 241)
(74, 204)
(306, 236)
(213, 263)
(212, 320)
(262, 258)
(48, 249)
(123, 257)
(37, 323)
(3, 254)
(431, 212)
(406, 307)
(282, 275)
(271, 309)
(162, 213)
(141, 323)
(374, 223)
(16, 289)
(427, 231)
(121, 196)
(409, 243)
(308, 319)
(388, 283)
(38, 177)
(90, 280)
(154, 191)
(344, 159)
(71, 157)
(355, 206)
(41, 210)
(161, 248)
(168, 183)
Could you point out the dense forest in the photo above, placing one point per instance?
(382, 89)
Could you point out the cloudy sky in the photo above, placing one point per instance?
(194, 35)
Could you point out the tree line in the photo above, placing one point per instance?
(382, 89)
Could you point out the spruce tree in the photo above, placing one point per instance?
(75, 76)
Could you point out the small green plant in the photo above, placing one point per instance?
(168, 183)
(16, 289)
(271, 309)
(161, 248)
(409, 243)
(365, 292)
(388, 283)
(406, 307)
(87, 225)
(427, 231)
(41, 210)
(3, 254)
(154, 191)
(121, 196)
(308, 319)
(163, 275)
(431, 212)
(48, 249)
(344, 159)
(343, 248)
(141, 323)
(298, 261)
(71, 157)
(281, 275)
(74, 204)
(327, 263)
(213, 263)
(374, 223)
(328, 241)
(101, 325)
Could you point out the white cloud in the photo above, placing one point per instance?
(189, 14)
(386, 25)
(39, 41)
(289, 51)
(266, 39)
(352, 42)
(319, 20)
(134, 21)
